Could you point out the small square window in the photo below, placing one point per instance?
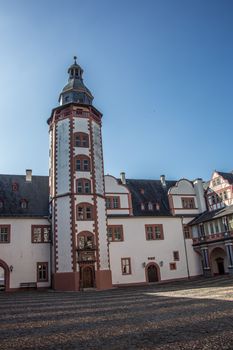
(172, 266)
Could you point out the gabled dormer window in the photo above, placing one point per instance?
(23, 204)
(15, 187)
(142, 206)
(150, 206)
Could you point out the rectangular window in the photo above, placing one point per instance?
(113, 202)
(187, 232)
(126, 266)
(4, 233)
(172, 266)
(41, 234)
(154, 232)
(176, 255)
(115, 233)
(211, 228)
(42, 272)
(188, 202)
(216, 226)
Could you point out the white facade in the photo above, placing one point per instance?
(22, 255)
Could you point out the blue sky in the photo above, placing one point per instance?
(160, 70)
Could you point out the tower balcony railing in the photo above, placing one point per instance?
(86, 247)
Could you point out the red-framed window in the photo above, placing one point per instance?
(85, 240)
(82, 163)
(84, 211)
(5, 233)
(172, 266)
(176, 255)
(81, 139)
(187, 232)
(41, 234)
(115, 233)
(83, 186)
(42, 272)
(154, 232)
(188, 202)
(126, 266)
(112, 202)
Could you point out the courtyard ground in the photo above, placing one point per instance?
(180, 315)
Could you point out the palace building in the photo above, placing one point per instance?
(78, 229)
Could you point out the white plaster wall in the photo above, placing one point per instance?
(112, 186)
(102, 228)
(64, 235)
(86, 225)
(81, 125)
(182, 187)
(81, 151)
(81, 198)
(63, 157)
(139, 249)
(22, 254)
(98, 158)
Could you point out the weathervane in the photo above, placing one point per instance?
(75, 58)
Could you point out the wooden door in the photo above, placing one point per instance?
(152, 273)
(88, 278)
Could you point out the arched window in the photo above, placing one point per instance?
(23, 204)
(84, 211)
(81, 139)
(82, 163)
(85, 240)
(83, 186)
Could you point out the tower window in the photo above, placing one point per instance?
(85, 240)
(82, 163)
(84, 211)
(81, 139)
(83, 186)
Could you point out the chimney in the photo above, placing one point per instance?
(123, 179)
(28, 175)
(163, 181)
(200, 193)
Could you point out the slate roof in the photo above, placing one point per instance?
(36, 193)
(226, 176)
(211, 215)
(154, 192)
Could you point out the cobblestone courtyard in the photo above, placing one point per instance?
(179, 315)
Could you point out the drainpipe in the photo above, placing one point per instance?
(185, 247)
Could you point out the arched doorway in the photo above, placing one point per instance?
(218, 260)
(87, 277)
(4, 276)
(152, 273)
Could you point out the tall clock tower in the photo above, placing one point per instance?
(80, 257)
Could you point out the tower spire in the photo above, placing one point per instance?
(75, 90)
